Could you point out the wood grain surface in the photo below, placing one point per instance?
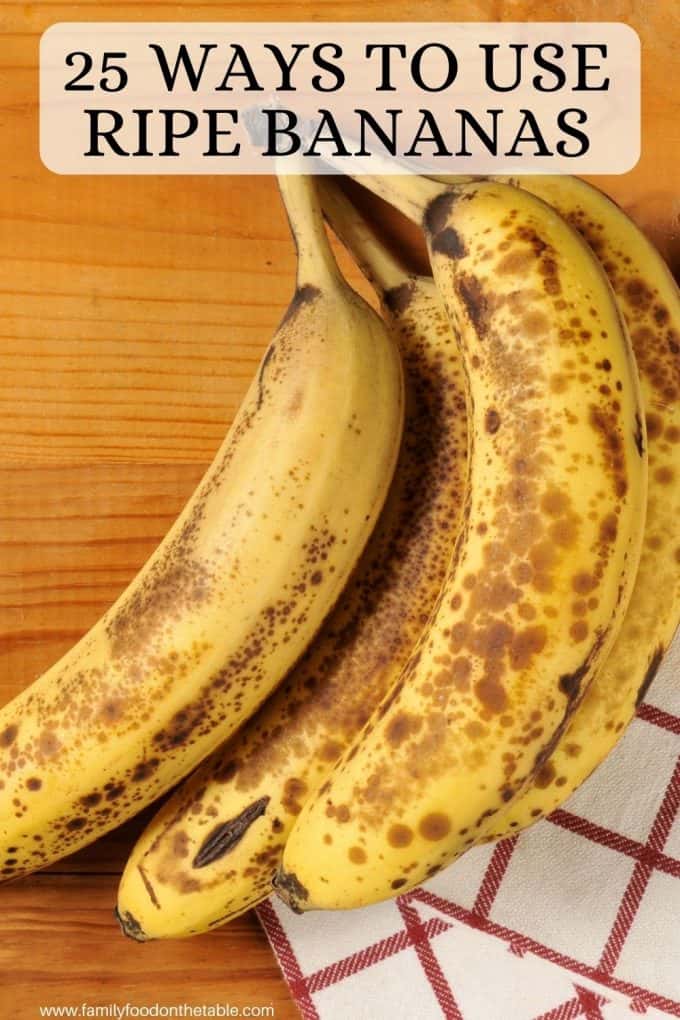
(133, 311)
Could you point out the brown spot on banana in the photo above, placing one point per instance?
(224, 837)
(652, 670)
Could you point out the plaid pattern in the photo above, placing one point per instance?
(577, 918)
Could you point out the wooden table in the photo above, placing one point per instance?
(133, 312)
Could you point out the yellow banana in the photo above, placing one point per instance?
(236, 590)
(210, 852)
(650, 302)
(542, 569)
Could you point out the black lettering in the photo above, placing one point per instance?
(214, 132)
(142, 133)
(98, 132)
(489, 66)
(239, 67)
(428, 122)
(416, 67)
(534, 136)
(583, 68)
(548, 65)
(286, 66)
(388, 141)
(171, 132)
(568, 129)
(385, 63)
(326, 65)
(490, 142)
(334, 136)
(184, 60)
(274, 129)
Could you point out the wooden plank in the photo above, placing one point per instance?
(61, 946)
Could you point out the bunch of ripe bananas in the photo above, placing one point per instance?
(419, 592)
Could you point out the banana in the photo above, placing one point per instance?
(649, 300)
(542, 569)
(210, 852)
(236, 590)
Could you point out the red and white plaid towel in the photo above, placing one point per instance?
(578, 917)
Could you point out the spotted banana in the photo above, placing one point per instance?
(542, 570)
(211, 850)
(237, 589)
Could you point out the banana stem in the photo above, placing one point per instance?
(405, 190)
(376, 262)
(316, 262)
(410, 194)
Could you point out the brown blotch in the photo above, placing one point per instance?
(460, 673)
(91, 800)
(475, 301)
(304, 295)
(475, 730)
(397, 299)
(224, 837)
(227, 771)
(535, 324)
(434, 826)
(570, 683)
(398, 883)
(515, 262)
(639, 435)
(492, 421)
(112, 710)
(652, 669)
(75, 824)
(522, 572)
(316, 577)
(48, 743)
(145, 769)
(399, 835)
(491, 694)
(294, 791)
(33, 783)
(526, 644)
(564, 531)
(180, 844)
(545, 776)
(542, 557)
(664, 475)
(401, 727)
(605, 423)
(579, 630)
(555, 502)
(9, 735)
(438, 211)
(356, 855)
(558, 382)
(609, 527)
(638, 294)
(491, 641)
(583, 583)
(330, 751)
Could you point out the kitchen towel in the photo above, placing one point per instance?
(579, 917)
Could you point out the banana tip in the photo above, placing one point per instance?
(290, 889)
(129, 925)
